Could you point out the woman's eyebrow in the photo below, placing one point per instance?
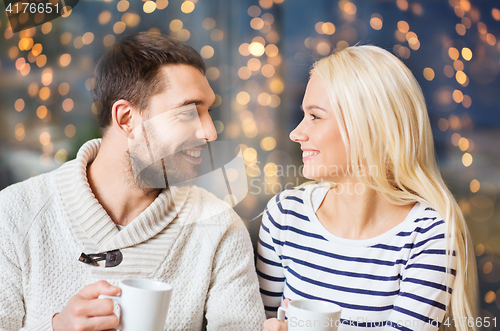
(311, 107)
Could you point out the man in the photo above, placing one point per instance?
(55, 228)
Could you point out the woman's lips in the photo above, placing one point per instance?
(308, 154)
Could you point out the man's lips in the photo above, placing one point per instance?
(193, 155)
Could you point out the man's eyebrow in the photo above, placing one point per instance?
(311, 107)
(189, 102)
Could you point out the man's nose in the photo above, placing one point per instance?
(208, 131)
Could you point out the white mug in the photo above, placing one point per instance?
(310, 315)
(143, 304)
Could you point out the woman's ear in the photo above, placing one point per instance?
(124, 116)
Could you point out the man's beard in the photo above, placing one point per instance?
(171, 170)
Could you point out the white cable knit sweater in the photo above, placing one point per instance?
(186, 237)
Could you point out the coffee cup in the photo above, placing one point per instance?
(310, 315)
(143, 304)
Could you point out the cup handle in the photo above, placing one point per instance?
(119, 301)
(281, 313)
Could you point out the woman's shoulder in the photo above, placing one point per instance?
(295, 196)
(426, 221)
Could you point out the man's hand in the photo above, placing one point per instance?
(274, 324)
(85, 312)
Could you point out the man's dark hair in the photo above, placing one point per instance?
(130, 70)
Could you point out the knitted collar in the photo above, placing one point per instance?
(85, 212)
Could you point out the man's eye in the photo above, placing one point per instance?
(189, 113)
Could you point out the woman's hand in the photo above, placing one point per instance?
(274, 324)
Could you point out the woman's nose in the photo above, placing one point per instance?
(298, 133)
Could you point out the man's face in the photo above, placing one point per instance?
(165, 148)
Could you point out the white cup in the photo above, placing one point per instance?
(311, 315)
(143, 304)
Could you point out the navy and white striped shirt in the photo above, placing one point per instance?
(396, 280)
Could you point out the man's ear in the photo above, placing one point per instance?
(124, 116)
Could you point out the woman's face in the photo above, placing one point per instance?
(323, 151)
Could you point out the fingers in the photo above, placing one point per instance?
(101, 287)
(286, 301)
(103, 322)
(273, 324)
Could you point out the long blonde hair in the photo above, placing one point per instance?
(385, 126)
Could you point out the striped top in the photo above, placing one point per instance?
(396, 280)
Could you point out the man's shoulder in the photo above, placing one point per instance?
(211, 207)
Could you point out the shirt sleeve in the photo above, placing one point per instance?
(269, 267)
(426, 283)
(233, 301)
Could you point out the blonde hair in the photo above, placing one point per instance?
(384, 124)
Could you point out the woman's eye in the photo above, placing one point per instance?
(314, 117)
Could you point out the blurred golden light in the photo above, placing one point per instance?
(448, 71)
(187, 7)
(466, 54)
(41, 112)
(455, 125)
(78, 42)
(207, 52)
(270, 169)
(400, 36)
(403, 26)
(25, 44)
(20, 63)
(257, 23)
(66, 38)
(208, 23)
(70, 130)
(328, 28)
(243, 98)
(254, 11)
(176, 25)
(183, 35)
(467, 159)
(490, 297)
(458, 65)
(61, 156)
(273, 37)
(213, 73)
(33, 89)
(216, 35)
(488, 267)
(458, 96)
(44, 93)
(31, 57)
(376, 23)
(131, 19)
(416, 8)
(25, 69)
(266, 4)
(453, 53)
(429, 74)
(161, 4)
(264, 99)
(109, 40)
(481, 27)
(219, 126)
(459, 11)
(268, 143)
(275, 101)
(149, 7)
(463, 144)
(122, 5)
(461, 77)
(474, 187)
(8, 33)
(46, 27)
(268, 17)
(402, 51)
(63, 88)
(319, 27)
(349, 8)
(119, 27)
(256, 49)
(268, 70)
(64, 60)
(250, 154)
(37, 49)
(244, 73)
(276, 86)
(104, 17)
(19, 131)
(443, 124)
(47, 77)
(323, 48)
(44, 138)
(253, 169)
(244, 49)
(460, 28)
(491, 39)
(495, 12)
(275, 60)
(250, 130)
(272, 50)
(19, 105)
(66, 11)
(479, 250)
(467, 102)
(68, 105)
(232, 174)
(466, 22)
(254, 64)
(13, 52)
(455, 138)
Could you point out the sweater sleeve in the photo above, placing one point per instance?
(426, 285)
(233, 301)
(269, 267)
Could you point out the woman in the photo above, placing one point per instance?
(375, 238)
